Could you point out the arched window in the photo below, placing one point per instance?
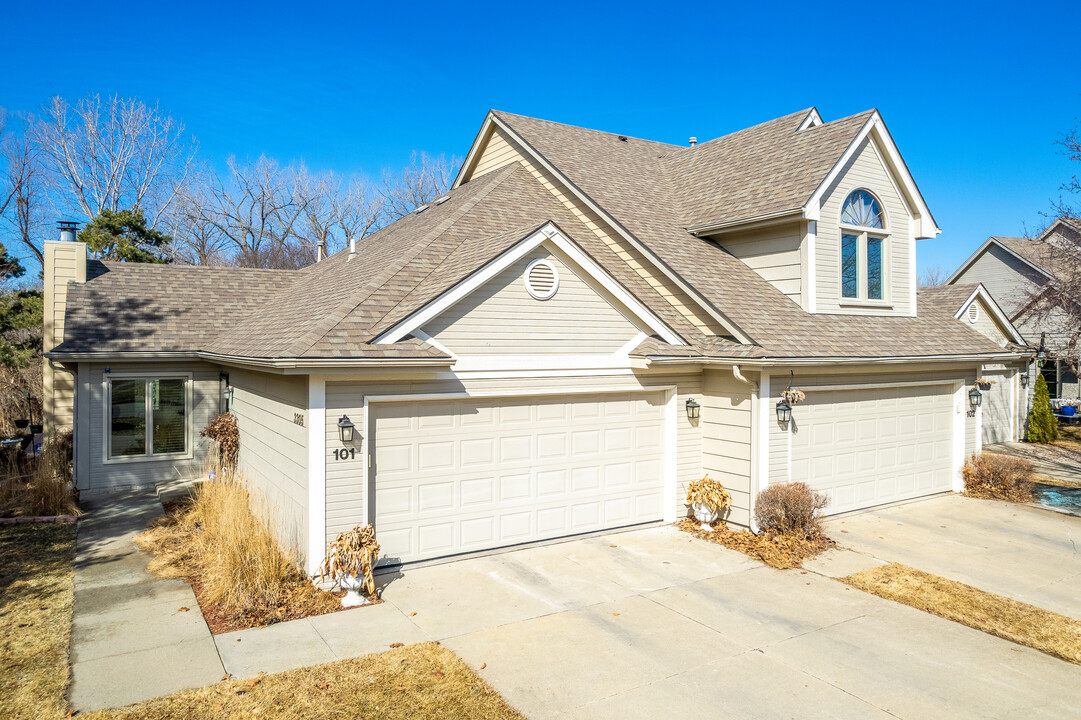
(861, 209)
(862, 248)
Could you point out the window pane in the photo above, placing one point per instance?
(874, 268)
(850, 245)
(861, 209)
(128, 416)
(167, 408)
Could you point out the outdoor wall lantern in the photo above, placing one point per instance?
(693, 409)
(975, 397)
(784, 412)
(1024, 379)
(345, 429)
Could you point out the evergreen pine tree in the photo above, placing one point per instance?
(1042, 426)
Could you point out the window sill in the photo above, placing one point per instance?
(877, 304)
(148, 458)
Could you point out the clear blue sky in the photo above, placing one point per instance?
(975, 96)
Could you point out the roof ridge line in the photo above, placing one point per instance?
(396, 267)
(504, 114)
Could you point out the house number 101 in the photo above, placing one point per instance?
(345, 453)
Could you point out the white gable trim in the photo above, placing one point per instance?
(813, 119)
(479, 142)
(713, 312)
(927, 226)
(996, 312)
(980, 251)
(548, 234)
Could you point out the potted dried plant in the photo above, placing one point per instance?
(984, 383)
(709, 500)
(793, 396)
(350, 562)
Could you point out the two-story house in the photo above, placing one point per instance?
(1016, 271)
(583, 324)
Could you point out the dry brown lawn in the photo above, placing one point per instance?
(36, 591)
(777, 550)
(418, 681)
(1069, 437)
(1020, 622)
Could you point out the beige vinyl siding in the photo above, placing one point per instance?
(497, 153)
(345, 493)
(986, 324)
(148, 473)
(64, 262)
(501, 317)
(773, 253)
(497, 145)
(1009, 280)
(726, 439)
(864, 170)
(779, 446)
(274, 448)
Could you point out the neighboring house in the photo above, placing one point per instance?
(582, 325)
(1014, 270)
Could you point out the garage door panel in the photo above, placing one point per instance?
(874, 445)
(556, 467)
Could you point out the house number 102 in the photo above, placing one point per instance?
(345, 453)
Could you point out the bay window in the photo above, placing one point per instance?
(863, 241)
(147, 417)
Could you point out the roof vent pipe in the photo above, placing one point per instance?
(320, 250)
(68, 230)
(693, 141)
(352, 247)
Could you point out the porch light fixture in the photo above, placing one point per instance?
(975, 397)
(784, 412)
(693, 409)
(1024, 379)
(345, 429)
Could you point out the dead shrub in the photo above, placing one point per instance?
(222, 544)
(998, 477)
(39, 486)
(222, 430)
(790, 509)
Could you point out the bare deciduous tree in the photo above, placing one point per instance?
(424, 180)
(21, 192)
(932, 276)
(117, 153)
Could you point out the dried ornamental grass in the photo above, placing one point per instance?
(998, 477)
(707, 491)
(352, 553)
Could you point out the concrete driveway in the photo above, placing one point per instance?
(649, 623)
(1020, 551)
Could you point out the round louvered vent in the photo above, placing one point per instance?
(541, 279)
(973, 313)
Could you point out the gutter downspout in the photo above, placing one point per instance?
(738, 375)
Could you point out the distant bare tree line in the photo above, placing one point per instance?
(75, 160)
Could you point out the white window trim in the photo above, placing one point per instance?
(862, 234)
(189, 416)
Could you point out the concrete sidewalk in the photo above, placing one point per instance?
(1051, 460)
(129, 639)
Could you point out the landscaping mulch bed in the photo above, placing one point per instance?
(773, 549)
(418, 681)
(1019, 622)
(300, 597)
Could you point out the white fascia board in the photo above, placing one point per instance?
(996, 311)
(474, 150)
(813, 119)
(713, 312)
(547, 234)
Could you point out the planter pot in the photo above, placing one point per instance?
(22, 424)
(983, 386)
(705, 515)
(352, 586)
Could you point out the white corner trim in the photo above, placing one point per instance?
(547, 234)
(960, 400)
(669, 495)
(996, 312)
(813, 119)
(913, 279)
(317, 475)
(425, 337)
(812, 268)
(764, 414)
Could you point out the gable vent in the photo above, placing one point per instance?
(973, 313)
(541, 279)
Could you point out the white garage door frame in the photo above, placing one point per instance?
(670, 429)
(960, 412)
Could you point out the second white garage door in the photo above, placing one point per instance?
(454, 476)
(873, 446)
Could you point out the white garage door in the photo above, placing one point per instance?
(466, 475)
(997, 409)
(873, 446)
